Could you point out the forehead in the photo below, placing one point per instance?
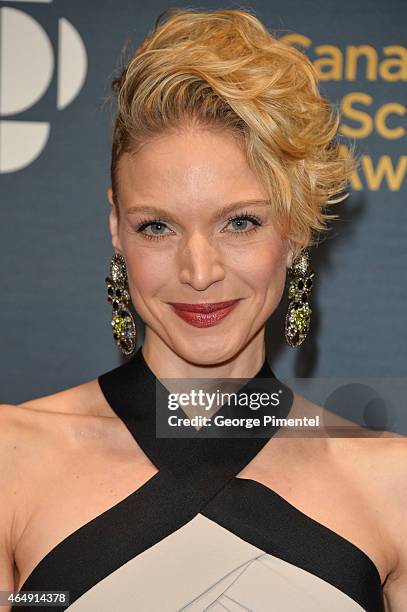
(193, 166)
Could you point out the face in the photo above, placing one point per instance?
(212, 240)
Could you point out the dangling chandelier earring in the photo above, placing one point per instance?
(297, 321)
(123, 327)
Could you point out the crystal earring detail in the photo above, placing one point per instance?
(123, 327)
(297, 321)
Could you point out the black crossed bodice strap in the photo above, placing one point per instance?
(191, 471)
(196, 475)
(206, 462)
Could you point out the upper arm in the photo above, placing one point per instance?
(395, 587)
(6, 504)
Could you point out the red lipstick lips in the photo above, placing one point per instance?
(204, 315)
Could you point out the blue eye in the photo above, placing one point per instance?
(240, 229)
(154, 223)
(158, 226)
(242, 221)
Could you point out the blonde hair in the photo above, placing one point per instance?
(224, 69)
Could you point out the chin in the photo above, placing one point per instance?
(213, 351)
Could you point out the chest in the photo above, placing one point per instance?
(73, 489)
(324, 492)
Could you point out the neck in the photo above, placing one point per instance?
(166, 362)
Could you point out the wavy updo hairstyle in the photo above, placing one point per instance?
(224, 69)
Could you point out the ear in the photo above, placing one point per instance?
(114, 221)
(290, 257)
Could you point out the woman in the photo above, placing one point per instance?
(224, 156)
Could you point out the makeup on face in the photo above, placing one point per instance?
(204, 314)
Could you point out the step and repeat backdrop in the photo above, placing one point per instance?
(57, 60)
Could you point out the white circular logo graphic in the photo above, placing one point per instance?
(27, 66)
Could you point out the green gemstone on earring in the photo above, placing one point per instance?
(118, 325)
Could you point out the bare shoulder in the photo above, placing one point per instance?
(30, 421)
(393, 469)
(8, 432)
(374, 464)
(382, 461)
(380, 466)
(36, 438)
(331, 425)
(383, 457)
(380, 454)
(85, 399)
(41, 433)
(49, 426)
(29, 429)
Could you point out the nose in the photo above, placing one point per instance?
(200, 263)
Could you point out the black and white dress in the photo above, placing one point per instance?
(195, 537)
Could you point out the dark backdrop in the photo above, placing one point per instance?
(57, 60)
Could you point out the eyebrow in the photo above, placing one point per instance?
(228, 208)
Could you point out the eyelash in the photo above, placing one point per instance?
(253, 218)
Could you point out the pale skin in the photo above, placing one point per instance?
(197, 259)
(72, 441)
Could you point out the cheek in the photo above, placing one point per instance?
(265, 268)
(146, 276)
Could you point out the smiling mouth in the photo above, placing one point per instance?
(204, 315)
(204, 307)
